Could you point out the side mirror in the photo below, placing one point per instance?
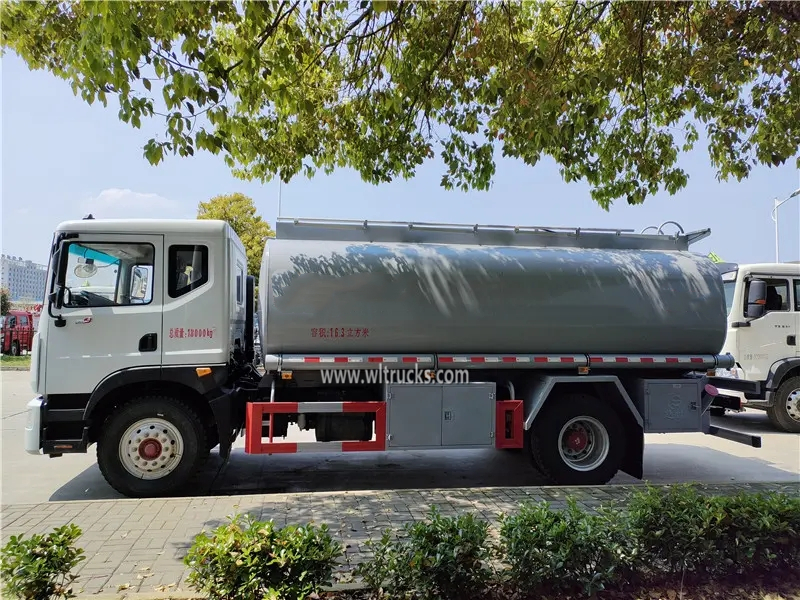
(57, 297)
(756, 299)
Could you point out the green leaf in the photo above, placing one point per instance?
(386, 87)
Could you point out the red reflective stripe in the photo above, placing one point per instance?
(477, 359)
(567, 359)
(671, 359)
(697, 360)
(509, 359)
(378, 359)
(409, 359)
(647, 359)
(447, 359)
(312, 359)
(278, 448)
(596, 359)
(621, 359)
(540, 359)
(340, 359)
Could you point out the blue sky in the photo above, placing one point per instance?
(62, 158)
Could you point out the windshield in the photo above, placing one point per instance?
(109, 274)
(729, 286)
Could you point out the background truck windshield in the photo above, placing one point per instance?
(729, 283)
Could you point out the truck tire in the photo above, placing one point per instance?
(15, 349)
(785, 412)
(577, 439)
(132, 449)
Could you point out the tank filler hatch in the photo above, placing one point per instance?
(482, 235)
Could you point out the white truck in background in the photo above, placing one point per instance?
(763, 340)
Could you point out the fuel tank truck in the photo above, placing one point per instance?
(567, 345)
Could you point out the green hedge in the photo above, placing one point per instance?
(677, 535)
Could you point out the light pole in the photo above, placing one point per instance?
(775, 217)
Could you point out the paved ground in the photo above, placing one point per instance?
(139, 545)
(668, 458)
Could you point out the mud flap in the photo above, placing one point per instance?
(633, 462)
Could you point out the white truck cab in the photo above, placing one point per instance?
(763, 340)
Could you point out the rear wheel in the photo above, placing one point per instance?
(785, 412)
(151, 446)
(576, 439)
(15, 349)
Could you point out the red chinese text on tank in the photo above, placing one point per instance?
(339, 332)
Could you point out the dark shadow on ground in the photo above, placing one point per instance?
(258, 474)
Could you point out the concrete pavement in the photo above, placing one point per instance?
(668, 458)
(139, 545)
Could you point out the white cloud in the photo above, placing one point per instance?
(115, 203)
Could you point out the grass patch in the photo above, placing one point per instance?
(6, 360)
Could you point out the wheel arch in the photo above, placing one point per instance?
(181, 383)
(537, 392)
(608, 388)
(781, 370)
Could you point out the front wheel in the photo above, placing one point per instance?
(785, 412)
(577, 440)
(151, 446)
(15, 351)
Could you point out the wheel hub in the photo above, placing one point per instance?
(584, 443)
(793, 405)
(151, 448)
(577, 440)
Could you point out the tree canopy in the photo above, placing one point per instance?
(614, 91)
(5, 301)
(240, 213)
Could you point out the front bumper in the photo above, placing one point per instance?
(33, 426)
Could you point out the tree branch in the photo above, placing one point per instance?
(787, 10)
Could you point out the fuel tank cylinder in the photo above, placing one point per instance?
(354, 297)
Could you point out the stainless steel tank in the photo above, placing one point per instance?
(328, 290)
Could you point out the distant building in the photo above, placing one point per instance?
(24, 279)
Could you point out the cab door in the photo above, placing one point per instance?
(771, 337)
(796, 332)
(110, 315)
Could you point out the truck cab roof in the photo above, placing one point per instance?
(776, 268)
(145, 226)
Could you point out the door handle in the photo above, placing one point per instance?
(148, 343)
(791, 340)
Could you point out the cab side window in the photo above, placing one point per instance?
(188, 269)
(777, 295)
(797, 295)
